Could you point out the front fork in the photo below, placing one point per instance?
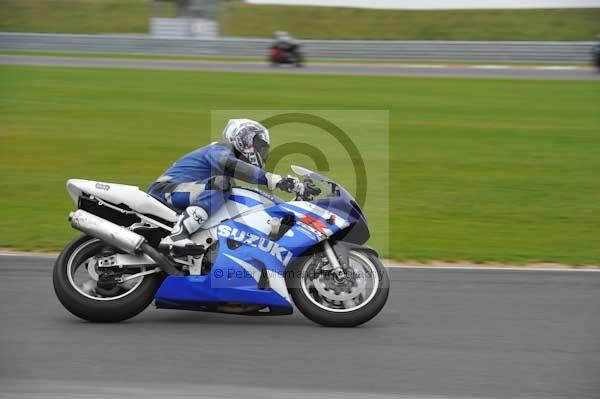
(336, 266)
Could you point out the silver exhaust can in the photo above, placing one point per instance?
(110, 233)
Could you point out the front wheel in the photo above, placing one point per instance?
(89, 293)
(327, 299)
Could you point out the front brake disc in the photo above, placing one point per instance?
(329, 293)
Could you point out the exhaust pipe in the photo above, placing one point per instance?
(112, 234)
(118, 237)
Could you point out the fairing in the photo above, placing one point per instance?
(250, 265)
(120, 194)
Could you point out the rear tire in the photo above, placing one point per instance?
(331, 318)
(95, 310)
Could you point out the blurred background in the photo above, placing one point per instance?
(546, 20)
(479, 123)
(502, 168)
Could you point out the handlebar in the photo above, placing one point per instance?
(309, 191)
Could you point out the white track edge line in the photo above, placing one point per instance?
(390, 265)
(493, 268)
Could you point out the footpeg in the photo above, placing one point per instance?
(188, 250)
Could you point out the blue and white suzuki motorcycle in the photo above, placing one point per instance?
(259, 256)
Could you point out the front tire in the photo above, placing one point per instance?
(92, 307)
(332, 313)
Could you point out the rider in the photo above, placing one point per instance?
(284, 41)
(199, 183)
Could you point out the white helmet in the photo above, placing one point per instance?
(249, 139)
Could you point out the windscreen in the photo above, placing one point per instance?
(331, 187)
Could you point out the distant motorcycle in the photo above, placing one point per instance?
(285, 50)
(291, 55)
(258, 256)
(596, 55)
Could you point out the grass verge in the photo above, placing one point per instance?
(76, 16)
(240, 19)
(311, 22)
(481, 170)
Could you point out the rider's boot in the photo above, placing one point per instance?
(189, 222)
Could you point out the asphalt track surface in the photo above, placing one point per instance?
(466, 71)
(443, 333)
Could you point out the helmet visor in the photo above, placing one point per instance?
(261, 147)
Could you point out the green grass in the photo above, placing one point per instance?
(238, 19)
(76, 16)
(481, 170)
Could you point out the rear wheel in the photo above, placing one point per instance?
(298, 61)
(94, 295)
(332, 301)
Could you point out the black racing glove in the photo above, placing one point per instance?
(290, 184)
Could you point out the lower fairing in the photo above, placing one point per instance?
(198, 293)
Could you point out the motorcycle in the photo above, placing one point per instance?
(286, 55)
(259, 255)
(596, 55)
